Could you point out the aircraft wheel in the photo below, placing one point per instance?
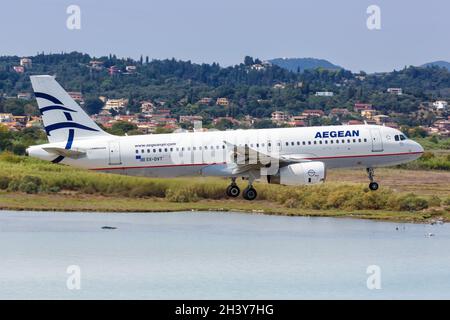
(250, 193)
(233, 191)
(373, 186)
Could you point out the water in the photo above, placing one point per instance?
(218, 256)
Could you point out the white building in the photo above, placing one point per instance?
(147, 107)
(115, 104)
(26, 62)
(440, 105)
(324, 94)
(396, 91)
(130, 69)
(24, 95)
(279, 116)
(6, 117)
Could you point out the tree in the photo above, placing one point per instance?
(93, 105)
(121, 127)
(224, 124)
(248, 61)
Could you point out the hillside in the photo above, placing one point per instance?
(302, 64)
(249, 87)
(440, 64)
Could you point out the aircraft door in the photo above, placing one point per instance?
(114, 153)
(377, 142)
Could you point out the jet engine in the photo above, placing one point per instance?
(299, 174)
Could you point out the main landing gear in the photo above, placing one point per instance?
(233, 189)
(249, 193)
(372, 185)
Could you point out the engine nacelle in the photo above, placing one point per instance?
(300, 174)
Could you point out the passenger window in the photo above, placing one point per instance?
(298, 143)
(337, 141)
(142, 151)
(304, 142)
(365, 139)
(287, 144)
(309, 142)
(320, 141)
(137, 151)
(148, 150)
(160, 150)
(326, 141)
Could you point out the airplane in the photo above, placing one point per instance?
(286, 156)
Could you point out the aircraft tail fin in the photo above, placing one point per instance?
(64, 119)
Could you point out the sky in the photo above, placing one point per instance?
(224, 31)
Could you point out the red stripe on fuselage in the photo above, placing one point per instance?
(209, 164)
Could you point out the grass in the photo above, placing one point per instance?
(405, 195)
(71, 202)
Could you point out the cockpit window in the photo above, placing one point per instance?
(396, 137)
(402, 137)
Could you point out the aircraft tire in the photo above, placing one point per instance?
(250, 194)
(233, 191)
(373, 186)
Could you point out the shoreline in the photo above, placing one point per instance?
(93, 204)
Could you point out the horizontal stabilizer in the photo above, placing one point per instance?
(69, 153)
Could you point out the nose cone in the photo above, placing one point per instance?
(416, 149)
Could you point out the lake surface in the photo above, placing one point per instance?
(218, 256)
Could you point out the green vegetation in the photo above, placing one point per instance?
(33, 178)
(431, 161)
(181, 84)
(17, 142)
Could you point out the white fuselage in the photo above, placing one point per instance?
(208, 153)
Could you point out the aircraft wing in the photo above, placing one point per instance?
(70, 153)
(246, 158)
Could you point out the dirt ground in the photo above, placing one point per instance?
(417, 181)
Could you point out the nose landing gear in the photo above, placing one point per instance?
(372, 185)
